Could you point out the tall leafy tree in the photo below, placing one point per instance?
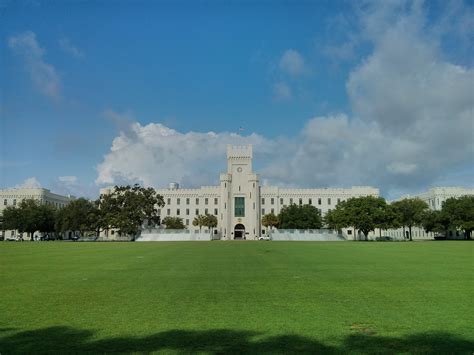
(410, 212)
(126, 208)
(363, 213)
(173, 223)
(30, 216)
(300, 217)
(11, 218)
(436, 221)
(460, 212)
(79, 215)
(270, 220)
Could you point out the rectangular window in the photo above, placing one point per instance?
(273, 211)
(272, 201)
(338, 200)
(281, 201)
(319, 201)
(206, 201)
(14, 202)
(206, 211)
(5, 202)
(263, 201)
(215, 212)
(197, 201)
(197, 212)
(329, 201)
(169, 202)
(178, 201)
(187, 222)
(263, 211)
(239, 210)
(291, 201)
(187, 211)
(177, 212)
(168, 211)
(301, 201)
(215, 201)
(187, 201)
(310, 201)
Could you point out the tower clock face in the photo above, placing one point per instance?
(239, 169)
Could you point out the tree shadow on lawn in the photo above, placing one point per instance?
(223, 341)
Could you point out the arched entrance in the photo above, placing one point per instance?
(239, 231)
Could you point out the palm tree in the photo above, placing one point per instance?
(200, 221)
(210, 221)
(270, 220)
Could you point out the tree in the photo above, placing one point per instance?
(11, 218)
(436, 221)
(79, 215)
(337, 218)
(363, 213)
(300, 217)
(30, 216)
(388, 218)
(270, 220)
(173, 223)
(200, 221)
(210, 221)
(460, 212)
(128, 207)
(410, 212)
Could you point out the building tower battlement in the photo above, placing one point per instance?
(239, 151)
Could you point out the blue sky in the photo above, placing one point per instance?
(79, 78)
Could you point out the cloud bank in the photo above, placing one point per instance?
(410, 124)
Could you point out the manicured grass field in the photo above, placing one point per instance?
(240, 297)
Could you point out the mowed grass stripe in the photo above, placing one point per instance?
(327, 293)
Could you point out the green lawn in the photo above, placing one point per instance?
(224, 297)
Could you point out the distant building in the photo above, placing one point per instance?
(434, 198)
(239, 201)
(14, 196)
(437, 195)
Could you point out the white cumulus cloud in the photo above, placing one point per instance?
(155, 155)
(30, 183)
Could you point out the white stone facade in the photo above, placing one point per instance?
(239, 201)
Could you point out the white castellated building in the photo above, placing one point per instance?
(239, 201)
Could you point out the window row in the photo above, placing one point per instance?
(301, 201)
(188, 212)
(188, 201)
(14, 203)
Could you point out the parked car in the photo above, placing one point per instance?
(75, 238)
(264, 237)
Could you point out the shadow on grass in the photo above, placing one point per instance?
(70, 340)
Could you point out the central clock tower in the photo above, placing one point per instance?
(240, 196)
